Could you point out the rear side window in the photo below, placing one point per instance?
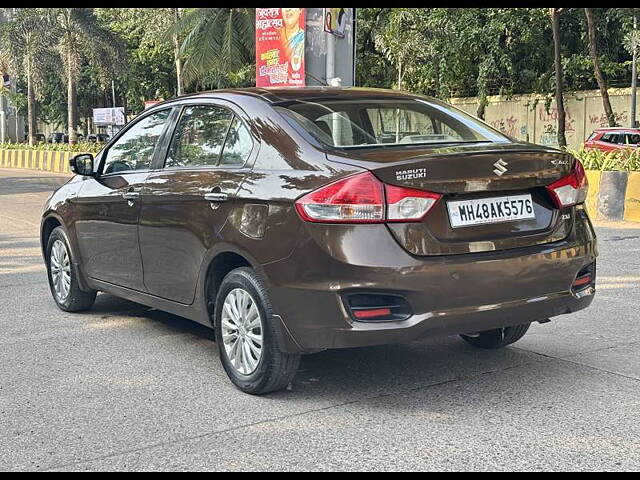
(238, 145)
(199, 137)
(134, 149)
(633, 138)
(611, 138)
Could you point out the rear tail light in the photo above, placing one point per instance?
(572, 189)
(408, 204)
(363, 198)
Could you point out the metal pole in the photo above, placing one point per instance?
(634, 79)
(3, 120)
(113, 93)
(331, 58)
(3, 125)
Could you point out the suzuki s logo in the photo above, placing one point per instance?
(500, 167)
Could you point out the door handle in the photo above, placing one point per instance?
(216, 197)
(131, 195)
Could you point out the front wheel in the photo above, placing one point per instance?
(498, 338)
(63, 275)
(246, 335)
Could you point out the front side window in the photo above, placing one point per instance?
(134, 149)
(199, 137)
(380, 122)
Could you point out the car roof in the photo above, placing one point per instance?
(281, 94)
(617, 129)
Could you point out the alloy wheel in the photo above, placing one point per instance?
(60, 270)
(242, 333)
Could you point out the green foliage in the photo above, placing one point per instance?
(54, 147)
(150, 68)
(486, 51)
(625, 160)
(444, 52)
(219, 46)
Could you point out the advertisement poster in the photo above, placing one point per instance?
(280, 36)
(109, 116)
(335, 20)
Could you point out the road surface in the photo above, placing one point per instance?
(126, 387)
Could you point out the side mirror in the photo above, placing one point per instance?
(82, 164)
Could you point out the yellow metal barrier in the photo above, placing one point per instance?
(632, 198)
(45, 160)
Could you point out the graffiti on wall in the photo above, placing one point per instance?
(600, 121)
(549, 125)
(508, 125)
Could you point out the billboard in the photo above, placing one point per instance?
(335, 21)
(280, 47)
(330, 29)
(109, 116)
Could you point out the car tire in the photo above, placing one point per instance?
(63, 275)
(498, 338)
(238, 330)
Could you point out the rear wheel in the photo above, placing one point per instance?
(63, 275)
(246, 336)
(498, 338)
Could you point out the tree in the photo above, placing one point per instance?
(218, 45)
(24, 40)
(150, 72)
(401, 43)
(557, 42)
(80, 36)
(161, 28)
(602, 84)
(176, 50)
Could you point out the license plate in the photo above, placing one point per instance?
(463, 213)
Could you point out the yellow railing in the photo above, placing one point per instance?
(48, 161)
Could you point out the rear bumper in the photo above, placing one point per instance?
(448, 295)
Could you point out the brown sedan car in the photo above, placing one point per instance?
(297, 220)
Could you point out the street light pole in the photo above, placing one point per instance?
(634, 79)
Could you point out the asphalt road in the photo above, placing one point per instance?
(126, 387)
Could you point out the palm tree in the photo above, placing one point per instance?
(217, 42)
(602, 83)
(81, 37)
(24, 40)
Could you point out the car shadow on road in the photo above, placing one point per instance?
(108, 307)
(344, 373)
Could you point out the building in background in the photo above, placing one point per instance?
(11, 120)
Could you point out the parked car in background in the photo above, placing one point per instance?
(56, 137)
(291, 221)
(97, 138)
(40, 138)
(613, 138)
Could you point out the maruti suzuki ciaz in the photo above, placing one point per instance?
(297, 220)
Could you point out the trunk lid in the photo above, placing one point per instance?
(481, 172)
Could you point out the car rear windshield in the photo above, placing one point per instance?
(376, 122)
